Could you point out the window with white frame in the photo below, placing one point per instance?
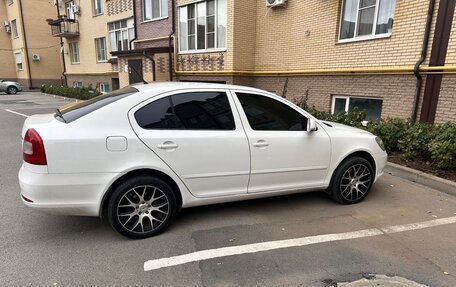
(202, 26)
(371, 106)
(97, 7)
(364, 19)
(74, 52)
(120, 34)
(100, 45)
(14, 28)
(104, 88)
(18, 57)
(155, 9)
(69, 10)
(77, 84)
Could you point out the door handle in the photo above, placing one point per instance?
(168, 145)
(261, 143)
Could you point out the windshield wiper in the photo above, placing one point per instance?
(60, 115)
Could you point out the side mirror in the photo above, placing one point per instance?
(311, 125)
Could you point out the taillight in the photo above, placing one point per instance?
(33, 148)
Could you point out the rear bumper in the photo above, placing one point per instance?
(68, 194)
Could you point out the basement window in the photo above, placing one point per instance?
(371, 106)
(366, 19)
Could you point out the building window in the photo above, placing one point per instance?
(155, 9)
(120, 34)
(365, 19)
(77, 84)
(100, 44)
(104, 88)
(14, 28)
(372, 107)
(74, 52)
(202, 26)
(97, 7)
(18, 57)
(69, 10)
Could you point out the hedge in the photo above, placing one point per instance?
(81, 93)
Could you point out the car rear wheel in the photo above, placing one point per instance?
(141, 207)
(351, 181)
(11, 90)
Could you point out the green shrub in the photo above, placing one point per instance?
(81, 93)
(443, 146)
(416, 139)
(353, 118)
(391, 131)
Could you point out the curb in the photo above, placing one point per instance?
(61, 97)
(435, 182)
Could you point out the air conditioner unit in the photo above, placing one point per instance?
(275, 3)
(7, 27)
(36, 57)
(76, 9)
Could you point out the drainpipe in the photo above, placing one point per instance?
(29, 68)
(170, 53)
(61, 47)
(134, 25)
(153, 64)
(416, 70)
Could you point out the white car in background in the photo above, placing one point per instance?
(10, 87)
(139, 154)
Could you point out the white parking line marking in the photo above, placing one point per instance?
(303, 241)
(17, 113)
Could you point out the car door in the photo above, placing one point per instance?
(197, 134)
(284, 155)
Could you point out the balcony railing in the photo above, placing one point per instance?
(64, 27)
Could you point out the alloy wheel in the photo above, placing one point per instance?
(355, 182)
(143, 209)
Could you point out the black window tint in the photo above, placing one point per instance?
(267, 114)
(157, 115)
(203, 111)
(83, 108)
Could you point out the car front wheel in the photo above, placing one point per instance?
(351, 181)
(11, 90)
(141, 207)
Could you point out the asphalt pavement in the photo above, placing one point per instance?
(48, 250)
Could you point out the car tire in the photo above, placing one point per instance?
(352, 181)
(141, 207)
(12, 90)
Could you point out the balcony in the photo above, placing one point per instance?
(64, 27)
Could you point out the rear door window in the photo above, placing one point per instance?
(192, 111)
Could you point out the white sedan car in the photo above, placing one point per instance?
(139, 154)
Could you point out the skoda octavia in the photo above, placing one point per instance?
(137, 155)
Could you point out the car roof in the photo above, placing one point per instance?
(171, 86)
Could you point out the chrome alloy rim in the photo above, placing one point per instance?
(143, 209)
(355, 182)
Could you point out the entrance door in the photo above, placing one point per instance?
(135, 71)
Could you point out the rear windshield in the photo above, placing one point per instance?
(75, 111)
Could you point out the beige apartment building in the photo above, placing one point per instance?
(335, 55)
(28, 54)
(91, 30)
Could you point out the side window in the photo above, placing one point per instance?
(267, 114)
(192, 111)
(157, 115)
